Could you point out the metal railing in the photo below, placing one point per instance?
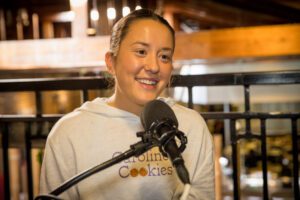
(244, 80)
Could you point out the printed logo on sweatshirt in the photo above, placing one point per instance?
(151, 163)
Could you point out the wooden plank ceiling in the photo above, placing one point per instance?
(189, 15)
(215, 14)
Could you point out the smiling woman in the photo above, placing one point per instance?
(140, 59)
(142, 66)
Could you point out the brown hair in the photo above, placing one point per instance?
(120, 29)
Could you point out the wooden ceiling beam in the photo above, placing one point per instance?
(245, 16)
(260, 41)
(271, 8)
(219, 15)
(201, 14)
(40, 7)
(291, 3)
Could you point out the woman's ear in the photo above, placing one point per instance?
(109, 60)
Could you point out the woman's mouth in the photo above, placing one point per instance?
(147, 81)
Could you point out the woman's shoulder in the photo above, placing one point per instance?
(62, 128)
(84, 119)
(83, 113)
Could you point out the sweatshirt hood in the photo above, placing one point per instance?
(100, 106)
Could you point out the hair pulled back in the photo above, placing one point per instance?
(120, 29)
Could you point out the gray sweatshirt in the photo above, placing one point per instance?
(96, 132)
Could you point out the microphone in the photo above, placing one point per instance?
(160, 120)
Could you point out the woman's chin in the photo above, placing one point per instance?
(144, 101)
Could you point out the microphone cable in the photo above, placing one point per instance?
(186, 191)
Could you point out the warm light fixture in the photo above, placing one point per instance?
(125, 11)
(66, 16)
(78, 2)
(94, 14)
(138, 7)
(111, 13)
(91, 31)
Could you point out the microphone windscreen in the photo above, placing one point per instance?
(157, 110)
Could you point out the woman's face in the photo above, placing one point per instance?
(143, 65)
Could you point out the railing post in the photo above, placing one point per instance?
(264, 158)
(38, 103)
(190, 97)
(84, 96)
(5, 160)
(226, 109)
(295, 139)
(247, 107)
(235, 172)
(28, 159)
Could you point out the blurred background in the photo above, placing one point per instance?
(69, 38)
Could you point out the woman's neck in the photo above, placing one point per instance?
(124, 104)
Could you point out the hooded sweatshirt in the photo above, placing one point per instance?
(96, 132)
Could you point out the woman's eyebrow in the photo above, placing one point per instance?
(148, 45)
(141, 43)
(167, 49)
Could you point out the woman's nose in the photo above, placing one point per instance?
(152, 65)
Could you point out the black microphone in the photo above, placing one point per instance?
(159, 119)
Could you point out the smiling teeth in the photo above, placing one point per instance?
(148, 82)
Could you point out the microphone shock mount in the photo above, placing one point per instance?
(152, 137)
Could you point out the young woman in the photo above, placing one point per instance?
(140, 59)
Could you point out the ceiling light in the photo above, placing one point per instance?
(125, 11)
(78, 2)
(94, 14)
(111, 13)
(138, 7)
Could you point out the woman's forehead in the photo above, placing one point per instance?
(149, 30)
(142, 23)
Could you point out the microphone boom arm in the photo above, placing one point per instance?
(135, 150)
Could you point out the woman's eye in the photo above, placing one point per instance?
(165, 58)
(140, 52)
